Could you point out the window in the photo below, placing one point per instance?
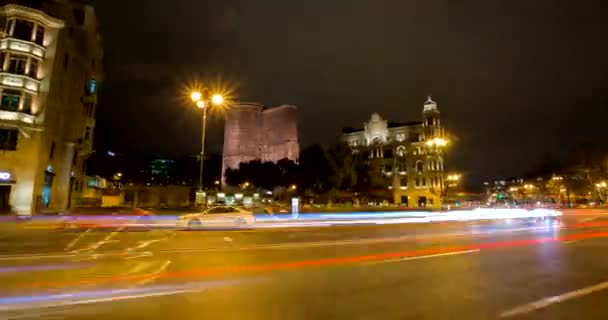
(27, 103)
(221, 210)
(2, 59)
(23, 30)
(417, 182)
(415, 137)
(9, 25)
(8, 139)
(400, 151)
(52, 152)
(39, 36)
(401, 164)
(87, 133)
(419, 166)
(388, 153)
(17, 64)
(423, 182)
(33, 72)
(10, 100)
(388, 168)
(79, 16)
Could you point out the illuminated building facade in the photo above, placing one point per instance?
(410, 155)
(254, 132)
(50, 69)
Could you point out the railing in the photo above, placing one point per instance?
(19, 81)
(22, 46)
(17, 116)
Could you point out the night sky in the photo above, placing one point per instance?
(514, 79)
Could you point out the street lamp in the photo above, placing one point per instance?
(203, 102)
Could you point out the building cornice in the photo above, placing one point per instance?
(33, 14)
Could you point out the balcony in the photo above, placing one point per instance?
(22, 46)
(17, 116)
(19, 81)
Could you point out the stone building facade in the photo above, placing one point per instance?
(410, 155)
(255, 132)
(50, 61)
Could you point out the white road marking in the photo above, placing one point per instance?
(140, 255)
(546, 302)
(424, 257)
(152, 276)
(71, 299)
(292, 245)
(75, 241)
(98, 244)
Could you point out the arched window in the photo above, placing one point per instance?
(400, 151)
(419, 166)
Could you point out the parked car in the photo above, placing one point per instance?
(222, 216)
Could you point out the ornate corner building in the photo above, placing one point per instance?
(254, 132)
(50, 70)
(410, 155)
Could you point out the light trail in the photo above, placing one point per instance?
(270, 267)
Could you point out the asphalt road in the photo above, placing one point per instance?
(516, 269)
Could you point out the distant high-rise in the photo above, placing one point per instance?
(50, 72)
(254, 132)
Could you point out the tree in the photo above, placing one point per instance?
(314, 170)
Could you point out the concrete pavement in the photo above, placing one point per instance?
(513, 269)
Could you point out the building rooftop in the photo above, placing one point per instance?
(347, 130)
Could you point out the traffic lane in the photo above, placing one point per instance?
(110, 267)
(476, 285)
(22, 238)
(177, 245)
(204, 264)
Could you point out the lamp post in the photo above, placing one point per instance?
(203, 101)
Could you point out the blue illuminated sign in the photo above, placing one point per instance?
(92, 86)
(5, 176)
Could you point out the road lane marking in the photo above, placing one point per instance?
(424, 257)
(8, 304)
(139, 255)
(546, 302)
(75, 241)
(154, 275)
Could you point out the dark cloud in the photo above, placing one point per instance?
(514, 79)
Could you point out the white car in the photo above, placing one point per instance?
(225, 216)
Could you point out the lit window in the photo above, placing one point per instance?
(10, 100)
